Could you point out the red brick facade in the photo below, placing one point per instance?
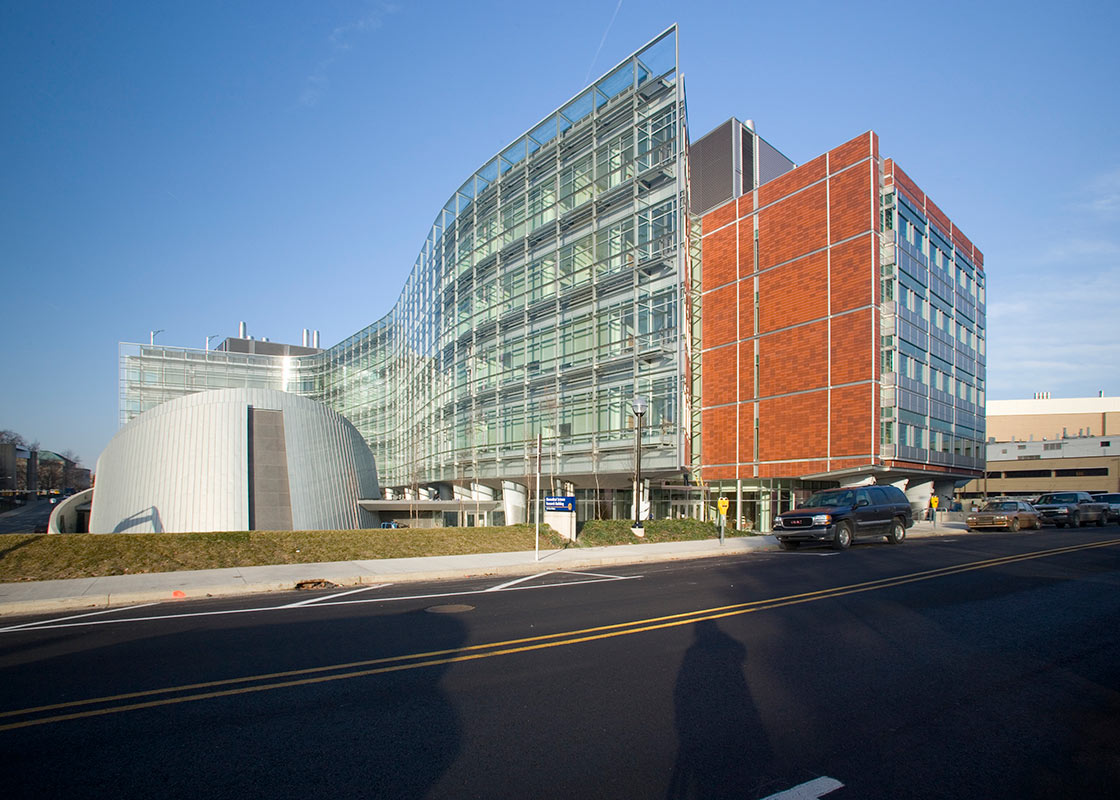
(816, 273)
(790, 301)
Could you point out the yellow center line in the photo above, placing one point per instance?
(380, 666)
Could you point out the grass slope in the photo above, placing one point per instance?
(83, 555)
(39, 557)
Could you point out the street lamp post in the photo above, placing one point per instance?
(208, 338)
(639, 406)
(152, 337)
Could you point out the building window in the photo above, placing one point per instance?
(1052, 446)
(1084, 472)
(1028, 473)
(1106, 444)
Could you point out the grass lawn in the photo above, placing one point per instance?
(38, 557)
(27, 557)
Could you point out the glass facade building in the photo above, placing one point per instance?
(932, 336)
(802, 326)
(550, 291)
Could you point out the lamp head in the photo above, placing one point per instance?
(639, 405)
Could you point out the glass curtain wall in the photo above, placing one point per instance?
(153, 374)
(547, 294)
(932, 354)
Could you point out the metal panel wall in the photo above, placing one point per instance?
(330, 467)
(771, 163)
(183, 466)
(711, 169)
(179, 467)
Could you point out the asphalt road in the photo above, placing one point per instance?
(970, 665)
(26, 518)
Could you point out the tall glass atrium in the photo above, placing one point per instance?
(551, 290)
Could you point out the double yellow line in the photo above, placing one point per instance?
(188, 693)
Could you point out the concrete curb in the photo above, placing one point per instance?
(44, 597)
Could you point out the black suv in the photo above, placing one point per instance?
(838, 516)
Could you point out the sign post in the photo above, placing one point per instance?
(537, 538)
(933, 503)
(722, 504)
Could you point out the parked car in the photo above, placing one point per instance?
(840, 516)
(1010, 515)
(1071, 508)
(1113, 500)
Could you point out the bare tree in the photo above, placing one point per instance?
(11, 437)
(51, 474)
(70, 467)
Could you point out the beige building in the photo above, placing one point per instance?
(1046, 418)
(1028, 469)
(1048, 445)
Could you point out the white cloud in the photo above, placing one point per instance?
(1104, 194)
(1058, 331)
(1078, 251)
(341, 40)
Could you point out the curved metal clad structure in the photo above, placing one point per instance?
(234, 459)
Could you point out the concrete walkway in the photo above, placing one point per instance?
(42, 597)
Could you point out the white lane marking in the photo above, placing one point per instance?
(51, 624)
(607, 579)
(811, 790)
(506, 585)
(333, 596)
(76, 616)
(596, 574)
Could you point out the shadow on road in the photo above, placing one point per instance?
(722, 744)
(382, 734)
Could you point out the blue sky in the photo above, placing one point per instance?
(186, 166)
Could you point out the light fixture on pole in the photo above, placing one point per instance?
(211, 336)
(152, 336)
(638, 404)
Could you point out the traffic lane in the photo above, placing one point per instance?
(995, 703)
(897, 693)
(27, 518)
(385, 737)
(569, 717)
(223, 643)
(995, 685)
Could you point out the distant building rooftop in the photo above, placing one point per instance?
(1057, 405)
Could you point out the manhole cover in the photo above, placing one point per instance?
(453, 608)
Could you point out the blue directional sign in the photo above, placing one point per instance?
(560, 503)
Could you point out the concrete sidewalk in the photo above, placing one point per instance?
(42, 597)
